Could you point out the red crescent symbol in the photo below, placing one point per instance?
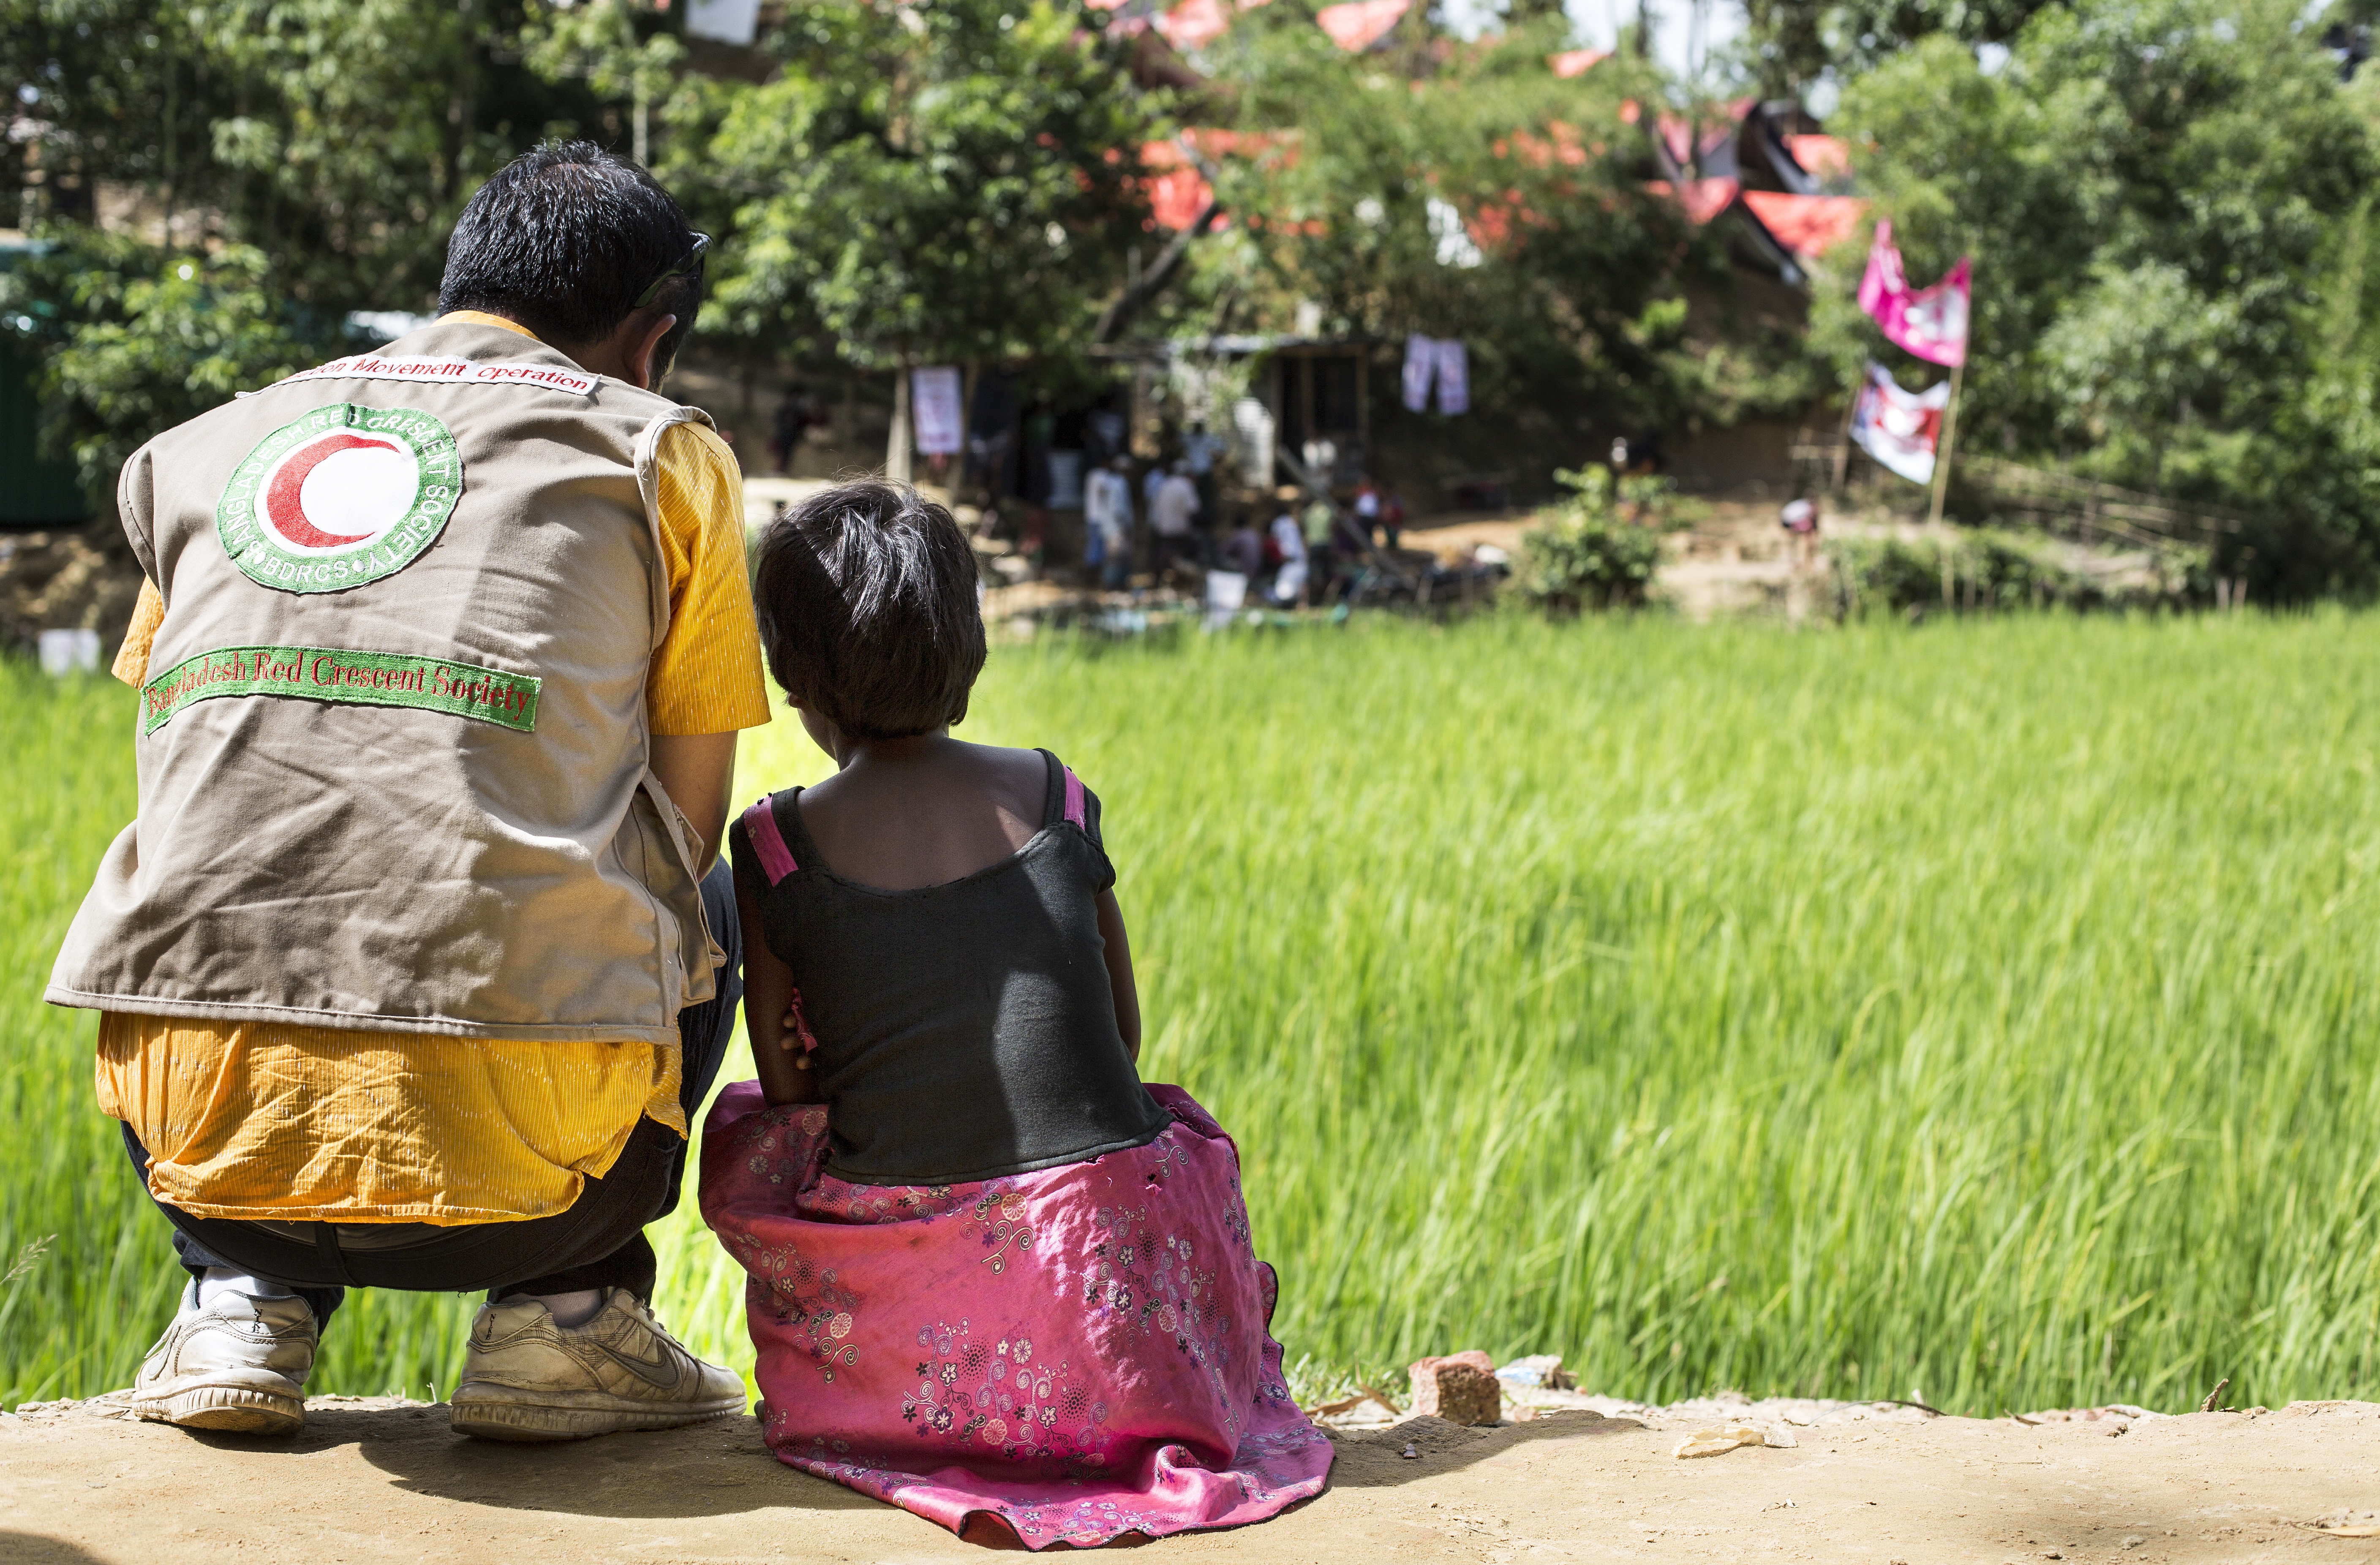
(280, 502)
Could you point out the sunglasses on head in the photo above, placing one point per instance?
(688, 265)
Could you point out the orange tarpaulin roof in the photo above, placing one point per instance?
(1703, 199)
(1829, 157)
(1193, 24)
(1178, 192)
(1808, 225)
(1359, 24)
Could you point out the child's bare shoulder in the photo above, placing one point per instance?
(1022, 775)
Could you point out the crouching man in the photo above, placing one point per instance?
(409, 972)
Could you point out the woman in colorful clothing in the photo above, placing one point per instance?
(994, 1278)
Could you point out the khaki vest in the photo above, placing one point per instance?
(392, 749)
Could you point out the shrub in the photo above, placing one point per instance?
(1599, 549)
(1994, 569)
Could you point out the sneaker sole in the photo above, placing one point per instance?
(228, 1411)
(529, 1423)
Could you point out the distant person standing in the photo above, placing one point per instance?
(1800, 520)
(1321, 522)
(1367, 506)
(1172, 515)
(1288, 541)
(791, 420)
(1107, 517)
(1392, 518)
(1202, 450)
(1243, 550)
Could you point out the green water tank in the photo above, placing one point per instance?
(34, 491)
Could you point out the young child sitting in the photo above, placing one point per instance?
(993, 1273)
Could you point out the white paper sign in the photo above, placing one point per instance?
(1065, 481)
(69, 651)
(725, 21)
(934, 404)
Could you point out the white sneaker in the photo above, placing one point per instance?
(529, 1379)
(238, 1364)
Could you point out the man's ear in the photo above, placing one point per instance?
(641, 349)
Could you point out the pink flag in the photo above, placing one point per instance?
(1931, 324)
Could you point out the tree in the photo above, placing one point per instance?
(1487, 200)
(295, 160)
(948, 182)
(1791, 43)
(2157, 194)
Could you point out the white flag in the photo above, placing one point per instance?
(1900, 429)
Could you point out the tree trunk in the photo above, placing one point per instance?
(897, 442)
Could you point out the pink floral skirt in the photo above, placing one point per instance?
(1080, 1350)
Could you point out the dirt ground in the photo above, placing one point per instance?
(382, 1480)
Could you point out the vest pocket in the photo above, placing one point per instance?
(690, 956)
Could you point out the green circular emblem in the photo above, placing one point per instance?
(343, 496)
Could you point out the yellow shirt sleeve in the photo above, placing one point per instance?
(132, 663)
(706, 678)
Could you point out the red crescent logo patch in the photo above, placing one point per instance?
(285, 496)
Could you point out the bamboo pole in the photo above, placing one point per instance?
(1949, 439)
(1843, 437)
(897, 441)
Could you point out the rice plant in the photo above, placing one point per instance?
(1978, 1012)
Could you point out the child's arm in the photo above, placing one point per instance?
(1119, 956)
(767, 997)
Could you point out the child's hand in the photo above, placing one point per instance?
(793, 1036)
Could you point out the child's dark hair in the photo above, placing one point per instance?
(867, 602)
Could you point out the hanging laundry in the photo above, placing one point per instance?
(1453, 376)
(1421, 369)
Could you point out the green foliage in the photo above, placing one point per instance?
(945, 182)
(1788, 44)
(2158, 194)
(1485, 199)
(1601, 548)
(1717, 1006)
(1996, 571)
(302, 158)
(337, 137)
(154, 338)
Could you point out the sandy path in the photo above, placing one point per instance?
(386, 1482)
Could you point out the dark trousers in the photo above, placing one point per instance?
(598, 1242)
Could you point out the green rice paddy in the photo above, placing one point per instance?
(1982, 1013)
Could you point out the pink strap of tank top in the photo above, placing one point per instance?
(1075, 810)
(776, 859)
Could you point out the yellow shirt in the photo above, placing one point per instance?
(293, 1123)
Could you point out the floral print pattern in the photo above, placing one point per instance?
(1081, 1351)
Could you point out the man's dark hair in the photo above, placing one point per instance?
(867, 602)
(563, 239)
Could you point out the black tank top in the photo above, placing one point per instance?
(965, 1030)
